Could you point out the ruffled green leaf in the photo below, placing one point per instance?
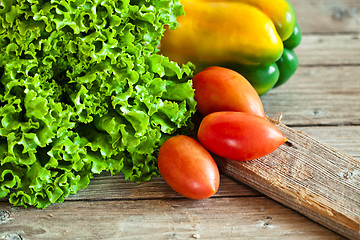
(82, 90)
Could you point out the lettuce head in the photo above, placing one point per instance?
(84, 90)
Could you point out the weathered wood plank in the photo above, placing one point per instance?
(323, 16)
(106, 187)
(338, 49)
(317, 96)
(214, 218)
(308, 176)
(342, 138)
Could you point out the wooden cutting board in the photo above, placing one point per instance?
(309, 177)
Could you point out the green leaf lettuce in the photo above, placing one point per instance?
(83, 90)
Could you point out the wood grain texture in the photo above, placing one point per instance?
(342, 138)
(322, 95)
(323, 16)
(308, 176)
(106, 187)
(215, 218)
(339, 49)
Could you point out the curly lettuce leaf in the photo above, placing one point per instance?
(83, 90)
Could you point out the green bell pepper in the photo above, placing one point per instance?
(262, 78)
(288, 63)
(265, 77)
(295, 38)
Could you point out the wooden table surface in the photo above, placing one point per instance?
(322, 100)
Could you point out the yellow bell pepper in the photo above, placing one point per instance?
(236, 31)
(281, 13)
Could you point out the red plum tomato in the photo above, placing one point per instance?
(239, 136)
(222, 89)
(188, 168)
